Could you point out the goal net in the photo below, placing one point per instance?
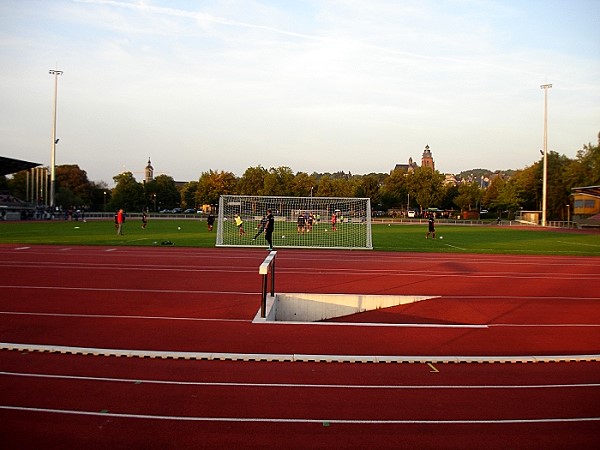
(326, 222)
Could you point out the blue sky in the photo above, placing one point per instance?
(352, 85)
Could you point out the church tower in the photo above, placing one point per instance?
(427, 159)
(148, 172)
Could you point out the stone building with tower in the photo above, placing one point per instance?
(426, 161)
(148, 172)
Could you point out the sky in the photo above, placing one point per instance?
(317, 86)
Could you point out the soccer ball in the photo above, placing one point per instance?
(282, 237)
(441, 237)
(179, 228)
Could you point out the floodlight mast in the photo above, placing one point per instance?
(56, 73)
(545, 87)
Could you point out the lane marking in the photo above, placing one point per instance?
(349, 324)
(361, 324)
(578, 243)
(296, 357)
(433, 368)
(111, 316)
(427, 273)
(163, 291)
(105, 413)
(296, 385)
(454, 246)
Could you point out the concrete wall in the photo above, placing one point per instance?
(295, 307)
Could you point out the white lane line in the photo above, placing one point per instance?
(200, 319)
(361, 324)
(296, 385)
(111, 316)
(454, 246)
(295, 357)
(299, 420)
(158, 291)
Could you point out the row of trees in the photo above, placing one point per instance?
(423, 188)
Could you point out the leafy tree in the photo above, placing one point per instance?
(449, 193)
(335, 187)
(469, 195)
(212, 185)
(492, 192)
(17, 184)
(72, 186)
(528, 184)
(303, 185)
(279, 181)
(585, 169)
(558, 192)
(507, 198)
(425, 186)
(100, 196)
(188, 195)
(394, 190)
(167, 195)
(128, 194)
(368, 187)
(252, 181)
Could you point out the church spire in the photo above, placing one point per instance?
(149, 172)
(427, 159)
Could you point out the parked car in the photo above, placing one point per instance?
(190, 211)
(177, 211)
(412, 213)
(165, 211)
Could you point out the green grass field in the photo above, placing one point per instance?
(398, 238)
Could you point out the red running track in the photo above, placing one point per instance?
(204, 300)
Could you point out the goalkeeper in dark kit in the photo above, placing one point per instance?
(261, 227)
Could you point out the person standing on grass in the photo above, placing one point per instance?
(120, 221)
(301, 224)
(431, 225)
(240, 224)
(261, 227)
(210, 221)
(144, 219)
(269, 227)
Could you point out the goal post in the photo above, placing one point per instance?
(315, 222)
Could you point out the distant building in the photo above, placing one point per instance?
(426, 161)
(410, 167)
(586, 202)
(450, 179)
(148, 172)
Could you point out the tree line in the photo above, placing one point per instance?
(419, 189)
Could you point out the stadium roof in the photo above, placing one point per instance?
(10, 165)
(589, 190)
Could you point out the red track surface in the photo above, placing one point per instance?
(204, 300)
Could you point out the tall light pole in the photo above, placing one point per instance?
(56, 73)
(545, 87)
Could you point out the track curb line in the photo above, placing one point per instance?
(296, 357)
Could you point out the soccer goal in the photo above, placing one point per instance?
(326, 222)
